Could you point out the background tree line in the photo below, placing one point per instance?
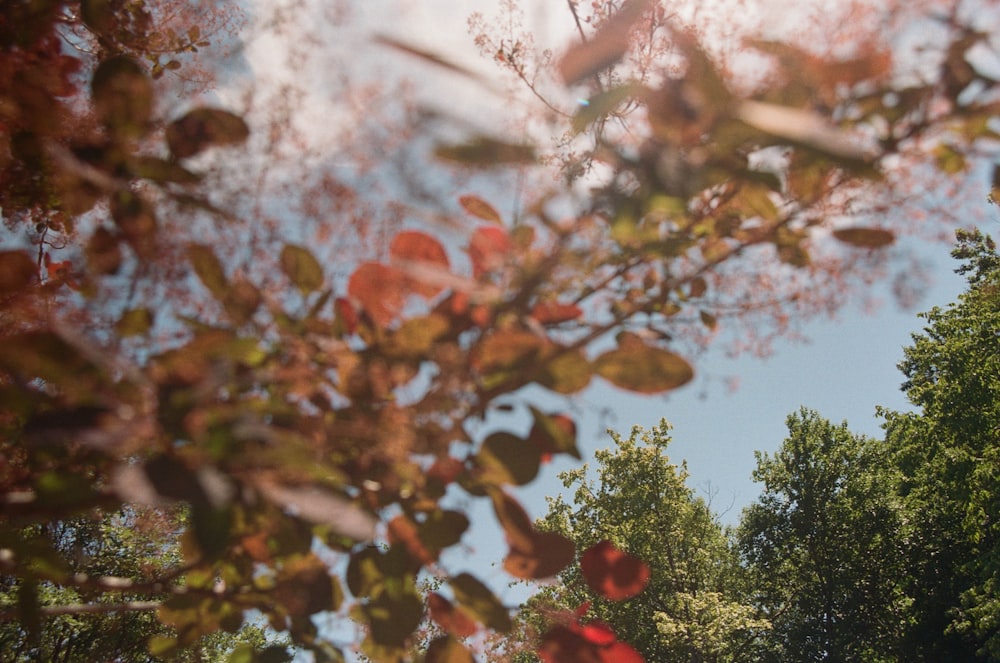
(857, 549)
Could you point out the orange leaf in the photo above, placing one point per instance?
(553, 313)
(418, 247)
(379, 290)
(478, 207)
(487, 248)
(453, 620)
(612, 573)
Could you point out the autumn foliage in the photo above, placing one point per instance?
(299, 416)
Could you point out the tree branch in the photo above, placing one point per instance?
(83, 608)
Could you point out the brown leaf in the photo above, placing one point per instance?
(865, 238)
(549, 554)
(17, 270)
(202, 128)
(451, 619)
(479, 208)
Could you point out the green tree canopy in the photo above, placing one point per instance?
(949, 463)
(822, 546)
(691, 608)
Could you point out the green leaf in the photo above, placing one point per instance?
(209, 270)
(507, 459)
(480, 601)
(567, 373)
(636, 366)
(134, 322)
(302, 268)
(203, 128)
(163, 645)
(394, 618)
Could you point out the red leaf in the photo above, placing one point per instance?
(453, 620)
(347, 314)
(612, 573)
(553, 313)
(619, 652)
(379, 290)
(418, 247)
(598, 633)
(487, 248)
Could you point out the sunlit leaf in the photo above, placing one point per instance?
(636, 366)
(416, 336)
(507, 350)
(479, 208)
(379, 290)
(135, 322)
(488, 249)
(612, 573)
(480, 601)
(508, 459)
(451, 619)
(568, 372)
(301, 267)
(865, 238)
(411, 246)
(202, 128)
(447, 649)
(553, 313)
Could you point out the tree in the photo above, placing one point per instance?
(946, 452)
(130, 544)
(693, 607)
(296, 406)
(823, 545)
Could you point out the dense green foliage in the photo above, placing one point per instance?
(857, 549)
(128, 545)
(693, 608)
(822, 546)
